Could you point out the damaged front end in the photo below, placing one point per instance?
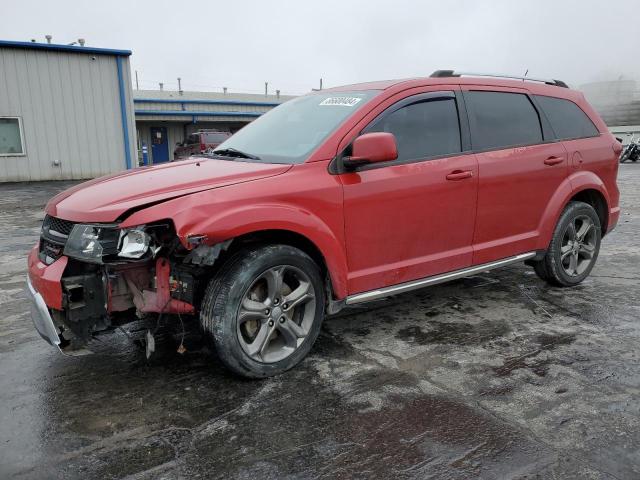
(109, 277)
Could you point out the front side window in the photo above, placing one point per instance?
(11, 139)
(501, 120)
(567, 119)
(292, 131)
(423, 130)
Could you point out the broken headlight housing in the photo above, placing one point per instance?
(134, 243)
(94, 243)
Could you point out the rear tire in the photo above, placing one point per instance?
(574, 247)
(263, 309)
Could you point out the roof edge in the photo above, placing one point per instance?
(54, 47)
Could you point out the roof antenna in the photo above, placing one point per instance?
(525, 74)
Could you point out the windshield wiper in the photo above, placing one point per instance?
(232, 152)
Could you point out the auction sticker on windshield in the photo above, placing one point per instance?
(341, 101)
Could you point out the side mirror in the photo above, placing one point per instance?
(372, 148)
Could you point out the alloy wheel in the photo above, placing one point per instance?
(578, 245)
(276, 314)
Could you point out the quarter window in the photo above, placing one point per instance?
(11, 138)
(567, 119)
(424, 129)
(501, 119)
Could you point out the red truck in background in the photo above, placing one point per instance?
(199, 142)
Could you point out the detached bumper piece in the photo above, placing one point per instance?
(41, 318)
(53, 331)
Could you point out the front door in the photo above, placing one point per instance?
(520, 168)
(159, 145)
(412, 217)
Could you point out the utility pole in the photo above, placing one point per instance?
(137, 87)
(179, 85)
(161, 86)
(320, 84)
(266, 88)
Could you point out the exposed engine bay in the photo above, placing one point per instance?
(114, 277)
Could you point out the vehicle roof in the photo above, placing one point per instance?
(534, 87)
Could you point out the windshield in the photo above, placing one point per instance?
(291, 131)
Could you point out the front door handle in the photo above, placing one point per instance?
(460, 175)
(553, 160)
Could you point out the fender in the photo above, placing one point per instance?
(572, 185)
(223, 222)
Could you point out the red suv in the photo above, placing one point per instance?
(334, 198)
(200, 142)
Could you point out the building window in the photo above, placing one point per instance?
(11, 137)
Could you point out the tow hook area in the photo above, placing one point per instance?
(160, 300)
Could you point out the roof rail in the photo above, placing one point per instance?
(453, 73)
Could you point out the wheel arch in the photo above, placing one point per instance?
(596, 199)
(282, 237)
(581, 186)
(277, 224)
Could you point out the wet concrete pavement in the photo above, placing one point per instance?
(494, 376)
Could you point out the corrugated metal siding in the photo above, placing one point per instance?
(70, 109)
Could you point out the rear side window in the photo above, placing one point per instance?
(501, 120)
(422, 130)
(567, 119)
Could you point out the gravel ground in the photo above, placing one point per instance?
(493, 376)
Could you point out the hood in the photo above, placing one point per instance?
(105, 199)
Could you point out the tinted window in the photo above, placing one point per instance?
(502, 120)
(193, 138)
(424, 129)
(566, 118)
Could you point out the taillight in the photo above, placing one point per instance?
(203, 147)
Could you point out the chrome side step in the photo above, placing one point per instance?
(424, 282)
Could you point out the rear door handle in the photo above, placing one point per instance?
(460, 175)
(553, 160)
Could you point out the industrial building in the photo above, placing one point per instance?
(69, 112)
(66, 112)
(166, 118)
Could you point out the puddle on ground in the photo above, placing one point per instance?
(549, 341)
(546, 341)
(454, 333)
(539, 367)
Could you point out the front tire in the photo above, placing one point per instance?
(263, 309)
(574, 247)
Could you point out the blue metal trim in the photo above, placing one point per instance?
(123, 112)
(187, 113)
(63, 48)
(205, 102)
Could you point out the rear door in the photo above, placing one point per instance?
(520, 167)
(412, 217)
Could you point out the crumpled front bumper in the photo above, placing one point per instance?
(41, 317)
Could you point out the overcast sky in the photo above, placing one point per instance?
(291, 44)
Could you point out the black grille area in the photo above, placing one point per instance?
(57, 225)
(53, 238)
